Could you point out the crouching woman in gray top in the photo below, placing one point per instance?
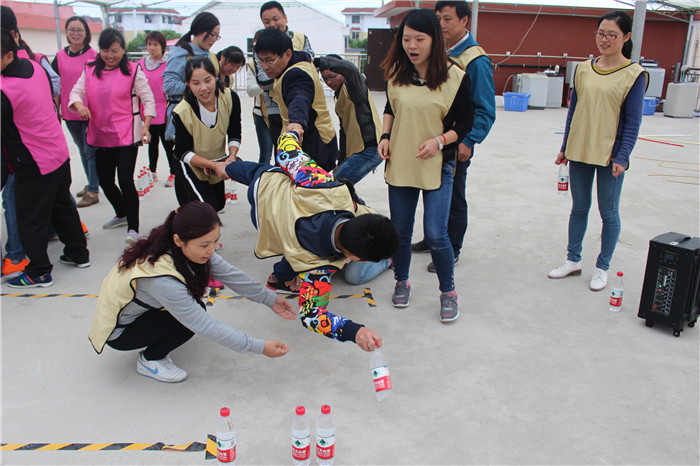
(153, 297)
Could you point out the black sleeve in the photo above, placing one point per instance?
(184, 142)
(461, 115)
(298, 95)
(234, 123)
(54, 65)
(387, 108)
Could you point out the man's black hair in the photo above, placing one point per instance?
(7, 43)
(461, 8)
(273, 41)
(371, 237)
(269, 6)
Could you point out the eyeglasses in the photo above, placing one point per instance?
(75, 31)
(600, 35)
(214, 36)
(267, 61)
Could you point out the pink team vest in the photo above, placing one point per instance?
(21, 53)
(155, 82)
(112, 120)
(70, 69)
(35, 117)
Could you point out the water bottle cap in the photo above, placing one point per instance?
(325, 409)
(619, 274)
(300, 411)
(225, 412)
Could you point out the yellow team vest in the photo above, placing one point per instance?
(418, 115)
(599, 98)
(281, 203)
(209, 143)
(468, 55)
(345, 109)
(323, 123)
(118, 289)
(298, 40)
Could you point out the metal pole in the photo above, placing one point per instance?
(58, 25)
(640, 14)
(475, 18)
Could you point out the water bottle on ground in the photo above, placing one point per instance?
(325, 437)
(380, 375)
(563, 180)
(616, 294)
(234, 193)
(225, 438)
(301, 438)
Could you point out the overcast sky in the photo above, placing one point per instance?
(334, 7)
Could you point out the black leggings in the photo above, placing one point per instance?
(158, 331)
(158, 132)
(121, 160)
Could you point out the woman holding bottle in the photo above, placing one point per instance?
(601, 130)
(112, 86)
(428, 111)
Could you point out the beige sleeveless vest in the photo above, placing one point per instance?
(345, 109)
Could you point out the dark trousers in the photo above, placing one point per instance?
(158, 132)
(44, 200)
(264, 139)
(121, 160)
(190, 188)
(158, 331)
(457, 221)
(275, 130)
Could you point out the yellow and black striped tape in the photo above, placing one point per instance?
(192, 446)
(211, 298)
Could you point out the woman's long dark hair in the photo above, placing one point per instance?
(190, 221)
(397, 66)
(203, 22)
(624, 22)
(107, 38)
(88, 36)
(199, 62)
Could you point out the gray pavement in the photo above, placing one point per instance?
(535, 371)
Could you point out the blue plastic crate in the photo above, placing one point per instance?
(516, 101)
(650, 104)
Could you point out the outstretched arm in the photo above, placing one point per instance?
(314, 296)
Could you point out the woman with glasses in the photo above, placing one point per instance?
(429, 110)
(197, 42)
(231, 59)
(601, 129)
(69, 64)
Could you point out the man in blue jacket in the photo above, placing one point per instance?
(454, 17)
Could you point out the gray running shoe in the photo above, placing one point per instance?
(449, 310)
(114, 223)
(402, 294)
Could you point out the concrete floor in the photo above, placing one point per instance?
(535, 371)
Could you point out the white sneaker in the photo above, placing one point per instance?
(599, 279)
(566, 269)
(163, 370)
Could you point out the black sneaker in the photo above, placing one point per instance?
(280, 287)
(420, 247)
(65, 260)
(431, 266)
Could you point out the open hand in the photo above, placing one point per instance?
(275, 349)
(283, 309)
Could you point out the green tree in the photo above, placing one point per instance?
(138, 43)
(358, 44)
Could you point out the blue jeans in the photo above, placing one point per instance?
(78, 130)
(359, 165)
(264, 139)
(357, 273)
(13, 245)
(608, 188)
(436, 209)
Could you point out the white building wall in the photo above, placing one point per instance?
(367, 22)
(240, 20)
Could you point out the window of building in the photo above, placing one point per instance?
(355, 19)
(165, 19)
(117, 18)
(355, 35)
(147, 19)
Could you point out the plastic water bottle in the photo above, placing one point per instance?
(234, 193)
(225, 438)
(563, 180)
(380, 375)
(301, 438)
(325, 437)
(139, 185)
(616, 294)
